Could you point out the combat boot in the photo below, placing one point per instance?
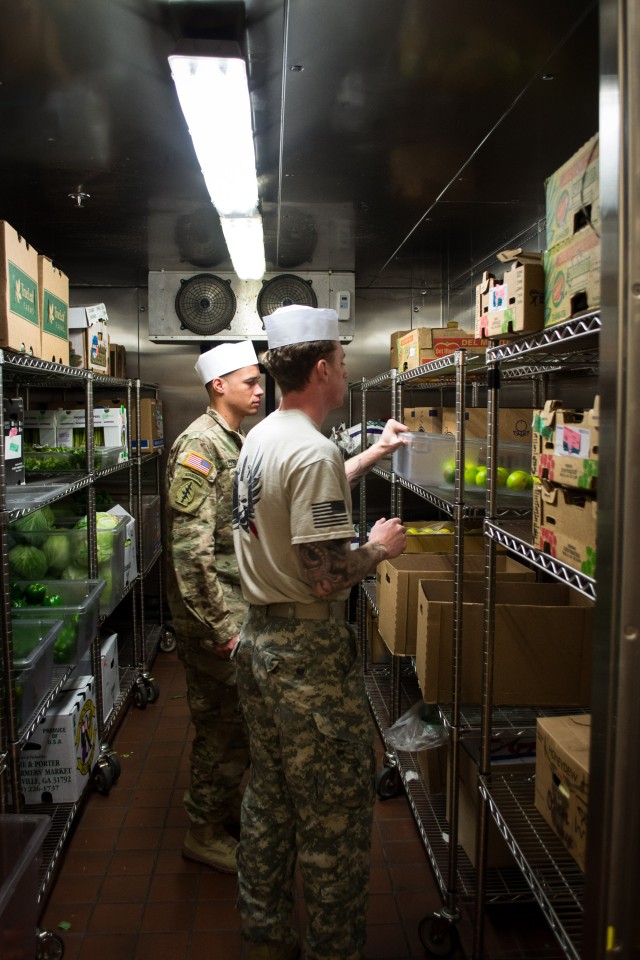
(288, 949)
(211, 844)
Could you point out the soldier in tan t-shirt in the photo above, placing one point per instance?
(311, 788)
(207, 606)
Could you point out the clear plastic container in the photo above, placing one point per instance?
(21, 839)
(71, 459)
(70, 555)
(78, 612)
(429, 461)
(33, 642)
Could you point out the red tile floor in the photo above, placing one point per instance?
(124, 891)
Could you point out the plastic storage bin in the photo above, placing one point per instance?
(21, 839)
(33, 642)
(78, 612)
(429, 461)
(66, 459)
(69, 558)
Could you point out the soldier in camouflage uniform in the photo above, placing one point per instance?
(311, 787)
(205, 599)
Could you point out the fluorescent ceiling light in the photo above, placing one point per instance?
(211, 82)
(245, 243)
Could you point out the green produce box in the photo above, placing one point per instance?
(33, 642)
(78, 610)
(61, 551)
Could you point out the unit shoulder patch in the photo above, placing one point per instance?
(187, 492)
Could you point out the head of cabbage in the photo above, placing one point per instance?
(106, 525)
(27, 562)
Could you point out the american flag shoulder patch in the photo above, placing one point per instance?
(329, 513)
(196, 462)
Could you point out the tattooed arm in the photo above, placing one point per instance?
(329, 566)
(390, 439)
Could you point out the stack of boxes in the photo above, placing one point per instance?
(565, 459)
(516, 303)
(572, 257)
(412, 348)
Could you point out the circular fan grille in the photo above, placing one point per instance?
(282, 291)
(205, 304)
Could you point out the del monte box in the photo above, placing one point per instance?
(19, 321)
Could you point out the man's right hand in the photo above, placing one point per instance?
(389, 534)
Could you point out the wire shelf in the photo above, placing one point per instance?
(513, 538)
(555, 879)
(558, 336)
(505, 885)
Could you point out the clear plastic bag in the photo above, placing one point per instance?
(420, 728)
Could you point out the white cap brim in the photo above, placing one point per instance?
(225, 359)
(299, 324)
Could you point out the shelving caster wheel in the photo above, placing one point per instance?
(153, 688)
(388, 783)
(439, 935)
(49, 946)
(168, 640)
(103, 777)
(112, 759)
(140, 693)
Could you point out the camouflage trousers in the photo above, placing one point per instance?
(311, 787)
(220, 747)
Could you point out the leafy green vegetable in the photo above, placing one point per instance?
(31, 527)
(26, 562)
(57, 550)
(106, 524)
(73, 572)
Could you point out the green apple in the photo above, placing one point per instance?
(481, 477)
(470, 471)
(501, 476)
(519, 480)
(449, 471)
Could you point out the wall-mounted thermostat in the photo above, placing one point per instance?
(343, 304)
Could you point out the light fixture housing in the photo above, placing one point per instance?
(211, 83)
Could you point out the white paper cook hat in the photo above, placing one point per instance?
(225, 359)
(298, 324)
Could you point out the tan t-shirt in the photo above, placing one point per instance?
(290, 487)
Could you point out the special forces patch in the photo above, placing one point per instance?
(187, 491)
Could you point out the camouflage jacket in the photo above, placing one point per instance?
(203, 582)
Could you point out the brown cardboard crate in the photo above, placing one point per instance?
(448, 339)
(433, 768)
(566, 444)
(573, 194)
(543, 637)
(498, 853)
(117, 361)
(414, 348)
(515, 304)
(423, 419)
(378, 652)
(562, 779)
(393, 347)
(514, 423)
(89, 338)
(572, 277)
(53, 298)
(398, 581)
(565, 525)
(151, 426)
(19, 320)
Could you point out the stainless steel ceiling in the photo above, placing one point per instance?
(402, 139)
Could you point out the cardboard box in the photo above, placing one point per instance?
(436, 536)
(117, 361)
(514, 423)
(111, 422)
(573, 195)
(433, 768)
(393, 347)
(448, 339)
(422, 419)
(130, 562)
(572, 277)
(89, 338)
(504, 761)
(40, 427)
(53, 293)
(56, 762)
(151, 426)
(109, 673)
(415, 348)
(398, 581)
(19, 320)
(543, 639)
(376, 646)
(565, 524)
(516, 303)
(562, 779)
(565, 445)
(13, 415)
